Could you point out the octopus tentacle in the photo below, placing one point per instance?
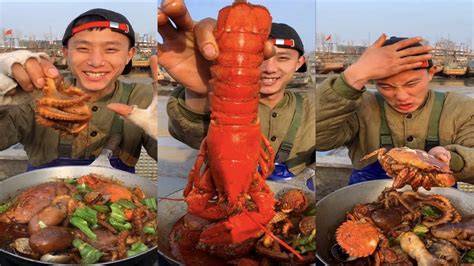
(63, 108)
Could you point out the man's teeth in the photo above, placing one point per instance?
(95, 74)
(268, 79)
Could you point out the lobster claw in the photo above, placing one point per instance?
(233, 230)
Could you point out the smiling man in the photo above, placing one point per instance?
(188, 106)
(99, 46)
(403, 111)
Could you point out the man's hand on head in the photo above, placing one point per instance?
(378, 61)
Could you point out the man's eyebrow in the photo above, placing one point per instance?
(106, 43)
(283, 53)
(412, 80)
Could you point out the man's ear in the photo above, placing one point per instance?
(65, 50)
(131, 53)
(301, 61)
(433, 70)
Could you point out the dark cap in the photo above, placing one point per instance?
(285, 36)
(426, 64)
(101, 18)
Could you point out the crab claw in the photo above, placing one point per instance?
(444, 180)
(358, 239)
(378, 152)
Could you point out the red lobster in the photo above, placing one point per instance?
(231, 190)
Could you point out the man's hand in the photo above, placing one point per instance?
(188, 49)
(30, 76)
(183, 47)
(441, 153)
(146, 119)
(378, 61)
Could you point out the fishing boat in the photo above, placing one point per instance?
(470, 68)
(455, 68)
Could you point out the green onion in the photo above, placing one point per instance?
(101, 208)
(4, 207)
(136, 248)
(86, 213)
(149, 230)
(150, 203)
(427, 211)
(82, 225)
(126, 204)
(83, 188)
(89, 254)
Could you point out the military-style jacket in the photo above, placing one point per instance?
(346, 116)
(41, 144)
(190, 127)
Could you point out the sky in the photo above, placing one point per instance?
(56, 14)
(39, 18)
(300, 14)
(361, 21)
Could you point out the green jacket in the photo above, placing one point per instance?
(41, 144)
(346, 116)
(190, 127)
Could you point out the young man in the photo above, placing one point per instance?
(188, 107)
(99, 46)
(404, 112)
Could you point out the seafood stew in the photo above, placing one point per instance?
(79, 220)
(394, 226)
(298, 220)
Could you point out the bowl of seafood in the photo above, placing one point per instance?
(180, 239)
(371, 222)
(78, 215)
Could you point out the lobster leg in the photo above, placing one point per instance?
(240, 227)
(267, 158)
(194, 175)
(200, 190)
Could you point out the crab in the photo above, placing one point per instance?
(360, 237)
(414, 167)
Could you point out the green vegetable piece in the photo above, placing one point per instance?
(42, 225)
(82, 225)
(150, 203)
(83, 188)
(468, 256)
(101, 208)
(427, 211)
(136, 248)
(149, 230)
(86, 213)
(117, 212)
(420, 230)
(310, 211)
(89, 254)
(71, 181)
(126, 204)
(121, 226)
(4, 207)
